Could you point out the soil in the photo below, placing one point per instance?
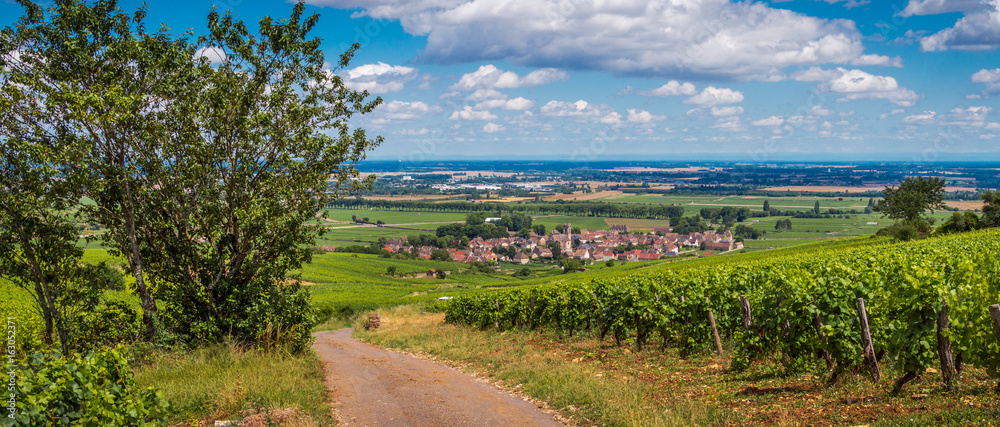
(376, 387)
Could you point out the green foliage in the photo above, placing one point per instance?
(911, 199)
(789, 294)
(959, 223)
(97, 389)
(991, 209)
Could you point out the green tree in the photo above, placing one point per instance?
(555, 247)
(539, 229)
(991, 209)
(911, 198)
(816, 207)
(205, 174)
(767, 206)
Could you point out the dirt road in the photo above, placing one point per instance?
(376, 387)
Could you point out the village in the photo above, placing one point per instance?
(616, 244)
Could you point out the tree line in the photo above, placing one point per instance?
(608, 210)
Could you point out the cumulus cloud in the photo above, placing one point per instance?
(927, 117)
(878, 60)
(672, 88)
(772, 121)
(884, 116)
(704, 38)
(992, 80)
(467, 113)
(817, 74)
(492, 128)
(642, 116)
(969, 117)
(213, 54)
(978, 30)
(857, 84)
(378, 78)
(712, 96)
(516, 104)
(582, 110)
(820, 111)
(934, 7)
(726, 111)
(490, 77)
(401, 110)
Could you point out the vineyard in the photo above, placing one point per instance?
(909, 306)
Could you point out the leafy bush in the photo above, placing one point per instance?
(96, 389)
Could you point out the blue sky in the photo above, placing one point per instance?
(656, 80)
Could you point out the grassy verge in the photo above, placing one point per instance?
(227, 383)
(595, 383)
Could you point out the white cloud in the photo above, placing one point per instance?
(987, 76)
(934, 7)
(978, 30)
(401, 110)
(490, 77)
(672, 88)
(485, 94)
(378, 78)
(727, 111)
(651, 38)
(519, 104)
(492, 128)
(884, 116)
(992, 80)
(712, 96)
(581, 110)
(770, 121)
(213, 54)
(730, 124)
(642, 116)
(416, 132)
(820, 111)
(817, 74)
(516, 104)
(878, 60)
(467, 113)
(927, 117)
(857, 84)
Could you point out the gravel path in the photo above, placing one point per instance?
(377, 387)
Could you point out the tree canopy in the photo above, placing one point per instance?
(911, 198)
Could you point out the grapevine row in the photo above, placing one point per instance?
(802, 306)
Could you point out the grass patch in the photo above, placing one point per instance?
(224, 382)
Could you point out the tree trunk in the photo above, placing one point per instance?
(135, 261)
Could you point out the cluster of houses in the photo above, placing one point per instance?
(587, 245)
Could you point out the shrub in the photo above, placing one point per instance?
(95, 389)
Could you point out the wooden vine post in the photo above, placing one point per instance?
(866, 340)
(995, 314)
(944, 348)
(715, 331)
(745, 309)
(496, 314)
